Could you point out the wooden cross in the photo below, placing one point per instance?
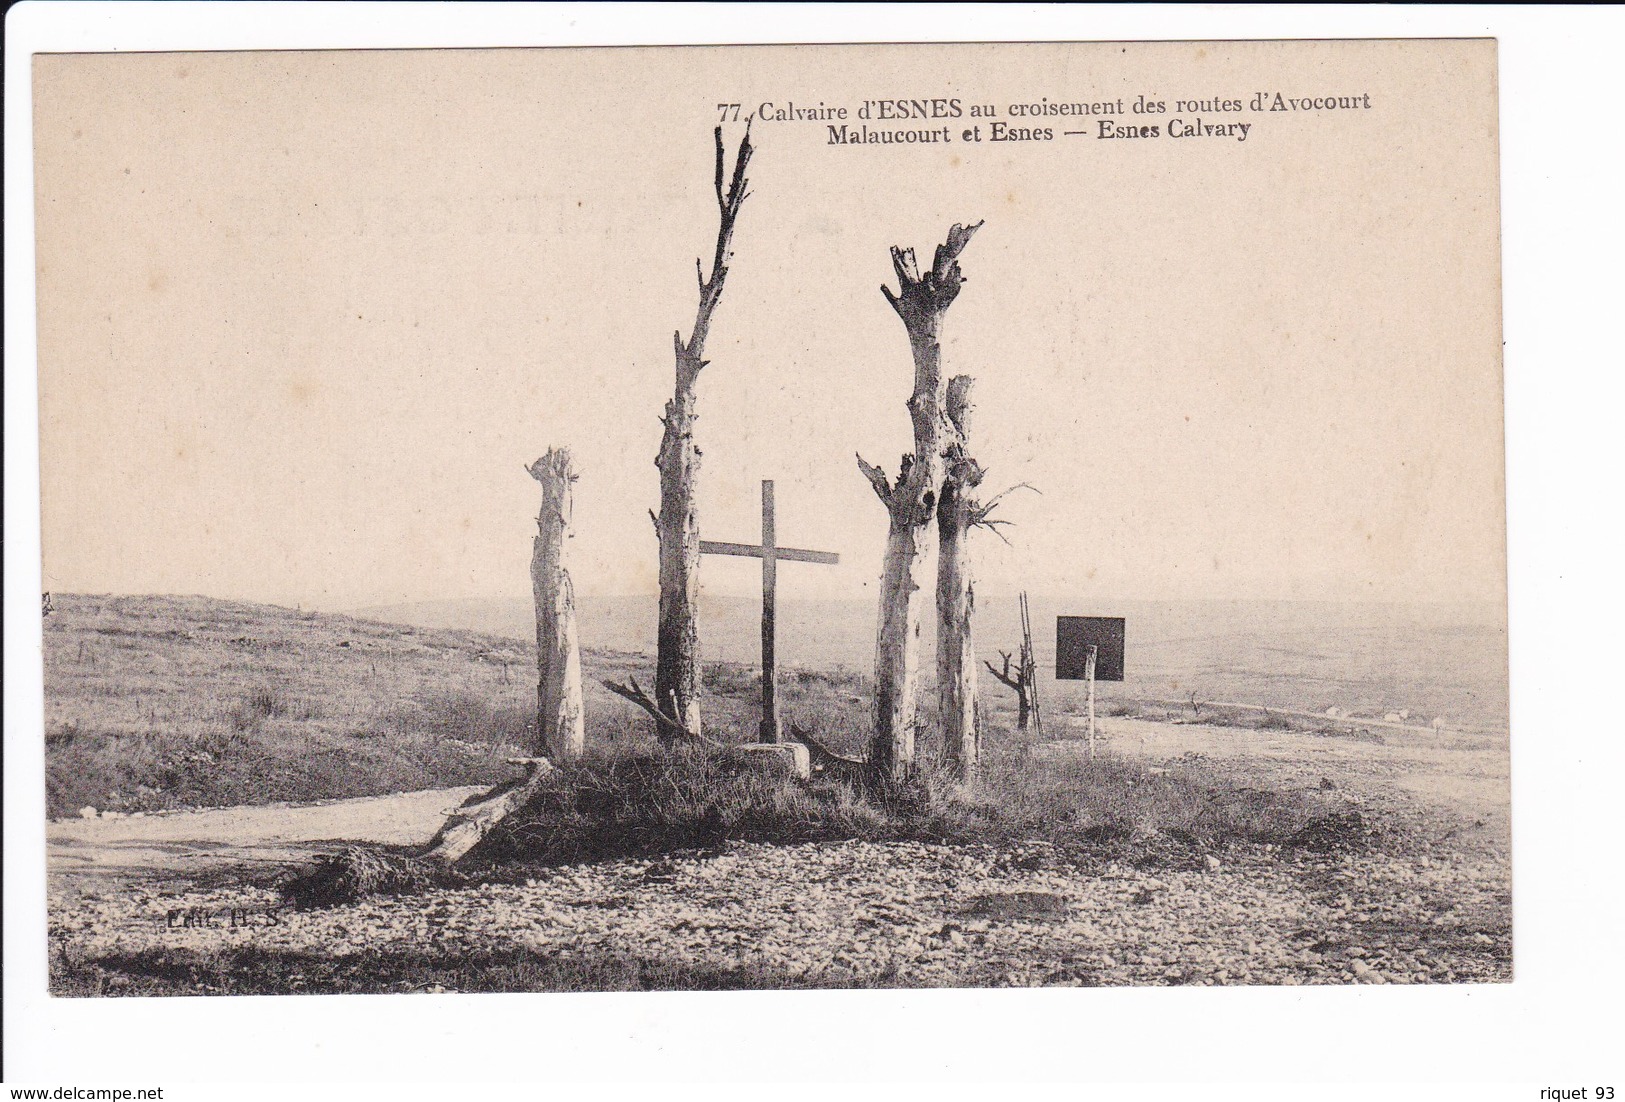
(770, 553)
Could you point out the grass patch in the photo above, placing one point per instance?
(159, 703)
(653, 804)
(603, 808)
(642, 804)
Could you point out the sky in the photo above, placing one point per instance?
(305, 317)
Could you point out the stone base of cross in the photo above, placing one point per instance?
(770, 554)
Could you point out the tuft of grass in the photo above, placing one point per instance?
(359, 872)
(639, 804)
(267, 703)
(1337, 830)
(1112, 798)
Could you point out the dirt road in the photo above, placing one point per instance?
(1466, 775)
(273, 836)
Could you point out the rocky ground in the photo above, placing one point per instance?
(1430, 903)
(899, 913)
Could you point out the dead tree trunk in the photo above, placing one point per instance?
(1017, 684)
(677, 662)
(468, 824)
(560, 728)
(957, 513)
(911, 502)
(1025, 681)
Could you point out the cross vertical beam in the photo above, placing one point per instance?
(770, 553)
(770, 731)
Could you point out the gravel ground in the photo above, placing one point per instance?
(900, 914)
(1431, 903)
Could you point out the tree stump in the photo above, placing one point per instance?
(560, 721)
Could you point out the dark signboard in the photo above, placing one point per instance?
(1074, 635)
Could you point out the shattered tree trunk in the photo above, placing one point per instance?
(677, 662)
(957, 513)
(560, 728)
(468, 824)
(921, 302)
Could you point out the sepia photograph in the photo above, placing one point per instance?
(773, 517)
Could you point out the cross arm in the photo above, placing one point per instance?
(794, 554)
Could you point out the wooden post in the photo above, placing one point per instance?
(1089, 678)
(1029, 666)
(770, 731)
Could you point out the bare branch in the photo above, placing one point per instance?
(945, 267)
(896, 304)
(877, 479)
(655, 520)
(1009, 682)
(634, 692)
(990, 526)
(737, 189)
(1002, 494)
(907, 268)
(721, 159)
(920, 297)
(827, 762)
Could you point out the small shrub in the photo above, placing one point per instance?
(1334, 831)
(359, 872)
(261, 703)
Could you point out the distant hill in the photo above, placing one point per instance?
(1445, 660)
